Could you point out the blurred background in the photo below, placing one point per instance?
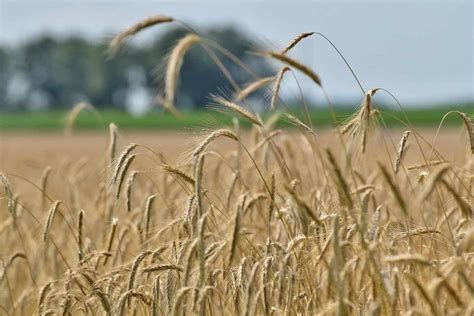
(53, 53)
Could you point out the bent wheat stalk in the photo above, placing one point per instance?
(121, 176)
(8, 192)
(401, 150)
(277, 85)
(173, 67)
(49, 221)
(216, 134)
(252, 87)
(72, 117)
(293, 63)
(121, 160)
(295, 41)
(118, 40)
(232, 106)
(178, 172)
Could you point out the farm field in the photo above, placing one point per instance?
(54, 147)
(362, 212)
(99, 235)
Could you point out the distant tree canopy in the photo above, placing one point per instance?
(57, 73)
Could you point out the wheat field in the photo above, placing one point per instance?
(357, 219)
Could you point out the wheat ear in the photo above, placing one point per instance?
(297, 122)
(118, 40)
(469, 128)
(121, 160)
(122, 173)
(49, 221)
(236, 230)
(113, 230)
(135, 265)
(173, 67)
(277, 86)
(7, 187)
(215, 134)
(401, 150)
(80, 222)
(179, 173)
(112, 142)
(295, 41)
(147, 215)
(293, 63)
(252, 87)
(77, 109)
(236, 108)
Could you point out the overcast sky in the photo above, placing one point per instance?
(420, 50)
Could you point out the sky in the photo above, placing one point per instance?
(422, 51)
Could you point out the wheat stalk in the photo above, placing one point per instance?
(42, 296)
(201, 251)
(162, 267)
(178, 301)
(342, 187)
(198, 174)
(128, 190)
(435, 177)
(469, 128)
(360, 123)
(121, 160)
(18, 255)
(428, 164)
(80, 222)
(8, 192)
(415, 232)
(49, 221)
(295, 64)
(277, 86)
(147, 214)
(401, 149)
(214, 135)
(407, 258)
(295, 41)
(203, 293)
(134, 269)
(236, 229)
(113, 230)
(118, 40)
(234, 107)
(394, 188)
(188, 215)
(173, 67)
(179, 173)
(112, 142)
(156, 297)
(297, 122)
(252, 87)
(122, 173)
(72, 117)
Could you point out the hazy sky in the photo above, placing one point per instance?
(420, 50)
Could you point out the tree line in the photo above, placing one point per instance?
(56, 73)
